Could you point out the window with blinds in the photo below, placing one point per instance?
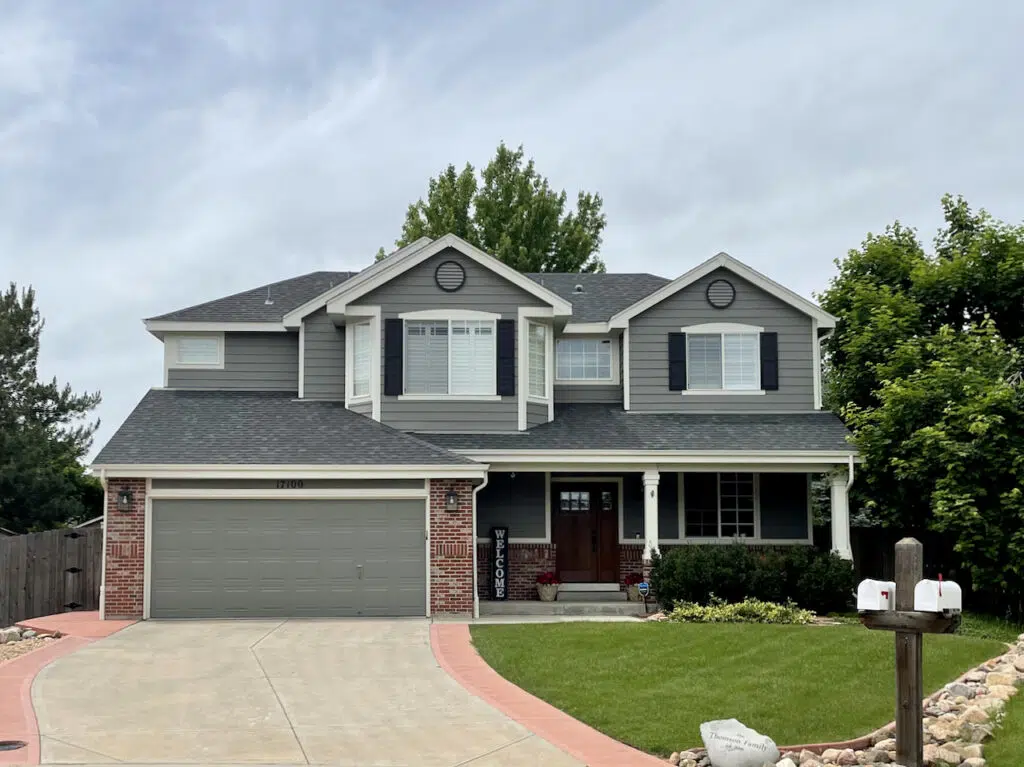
(538, 359)
(199, 350)
(361, 360)
(723, 361)
(583, 359)
(450, 357)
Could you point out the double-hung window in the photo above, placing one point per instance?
(450, 357)
(584, 360)
(537, 353)
(723, 361)
(361, 335)
(719, 505)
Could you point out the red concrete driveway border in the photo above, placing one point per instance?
(17, 716)
(455, 653)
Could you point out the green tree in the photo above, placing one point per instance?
(512, 213)
(44, 431)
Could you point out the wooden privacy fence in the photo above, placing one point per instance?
(50, 572)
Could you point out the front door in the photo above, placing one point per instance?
(585, 531)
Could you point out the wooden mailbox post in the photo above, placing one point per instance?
(910, 626)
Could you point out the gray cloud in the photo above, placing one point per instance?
(157, 155)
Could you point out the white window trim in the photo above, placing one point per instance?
(755, 538)
(448, 315)
(547, 519)
(613, 342)
(722, 329)
(171, 353)
(548, 352)
(359, 315)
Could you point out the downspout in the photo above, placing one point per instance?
(103, 552)
(849, 476)
(476, 590)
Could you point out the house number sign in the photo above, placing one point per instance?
(499, 563)
(289, 484)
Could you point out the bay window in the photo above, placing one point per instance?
(537, 356)
(584, 360)
(361, 336)
(450, 357)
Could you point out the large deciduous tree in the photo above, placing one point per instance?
(512, 213)
(44, 431)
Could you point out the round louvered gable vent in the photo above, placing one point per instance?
(721, 293)
(450, 276)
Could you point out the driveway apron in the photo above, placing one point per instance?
(344, 692)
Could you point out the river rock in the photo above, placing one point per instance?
(730, 743)
(1001, 677)
(956, 689)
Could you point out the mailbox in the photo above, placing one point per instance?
(937, 597)
(876, 595)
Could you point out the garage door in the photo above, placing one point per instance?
(275, 558)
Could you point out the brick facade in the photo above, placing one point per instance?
(123, 583)
(451, 549)
(525, 562)
(630, 561)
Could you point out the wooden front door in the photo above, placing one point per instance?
(585, 531)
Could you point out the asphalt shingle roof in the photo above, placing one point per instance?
(251, 305)
(608, 427)
(603, 295)
(230, 427)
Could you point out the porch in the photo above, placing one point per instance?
(596, 529)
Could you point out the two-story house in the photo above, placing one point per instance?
(343, 443)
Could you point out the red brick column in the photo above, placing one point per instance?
(631, 561)
(125, 538)
(451, 548)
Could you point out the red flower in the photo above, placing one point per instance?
(633, 579)
(547, 579)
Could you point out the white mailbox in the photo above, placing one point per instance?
(876, 595)
(938, 596)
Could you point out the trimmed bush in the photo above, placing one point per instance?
(812, 579)
(747, 611)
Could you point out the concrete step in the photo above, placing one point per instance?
(591, 596)
(533, 607)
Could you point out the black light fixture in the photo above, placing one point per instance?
(124, 500)
(451, 501)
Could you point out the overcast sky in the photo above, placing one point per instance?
(155, 155)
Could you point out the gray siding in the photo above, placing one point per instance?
(324, 358)
(517, 503)
(784, 506)
(415, 290)
(252, 361)
(363, 408)
(633, 507)
(648, 339)
(587, 394)
(536, 414)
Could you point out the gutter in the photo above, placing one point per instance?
(476, 589)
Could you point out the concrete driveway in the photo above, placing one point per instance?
(344, 692)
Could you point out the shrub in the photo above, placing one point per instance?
(814, 580)
(747, 611)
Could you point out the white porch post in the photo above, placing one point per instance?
(839, 480)
(651, 479)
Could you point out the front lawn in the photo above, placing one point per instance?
(1008, 742)
(652, 684)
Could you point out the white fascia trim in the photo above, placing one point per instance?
(613, 381)
(294, 317)
(449, 314)
(159, 327)
(241, 493)
(586, 328)
(382, 272)
(816, 361)
(297, 471)
(825, 320)
(662, 457)
(721, 327)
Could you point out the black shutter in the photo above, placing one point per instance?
(770, 361)
(677, 361)
(393, 357)
(506, 359)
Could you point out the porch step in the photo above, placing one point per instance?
(534, 607)
(591, 596)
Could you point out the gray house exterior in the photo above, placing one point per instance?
(345, 443)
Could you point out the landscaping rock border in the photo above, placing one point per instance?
(16, 641)
(957, 720)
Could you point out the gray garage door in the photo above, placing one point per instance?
(272, 558)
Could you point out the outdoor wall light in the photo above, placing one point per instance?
(124, 500)
(451, 501)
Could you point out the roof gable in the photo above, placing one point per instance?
(724, 260)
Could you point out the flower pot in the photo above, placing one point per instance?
(547, 591)
(633, 593)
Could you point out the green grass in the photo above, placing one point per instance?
(1008, 742)
(987, 627)
(652, 684)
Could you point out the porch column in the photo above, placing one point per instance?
(840, 513)
(651, 479)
